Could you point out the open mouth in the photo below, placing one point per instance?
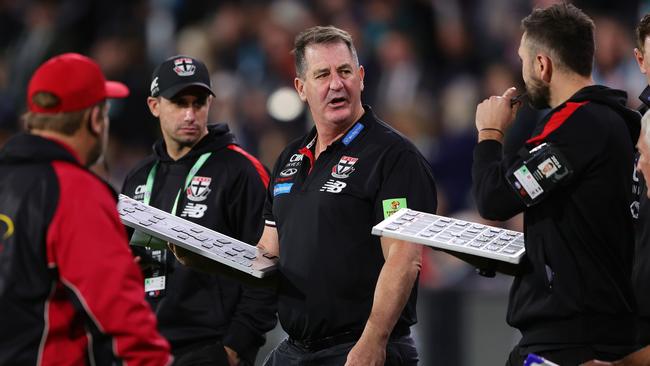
(337, 102)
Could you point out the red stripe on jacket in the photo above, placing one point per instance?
(87, 244)
(310, 155)
(556, 121)
(256, 163)
(64, 340)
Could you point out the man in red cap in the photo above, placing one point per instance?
(70, 292)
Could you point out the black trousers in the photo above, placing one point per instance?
(400, 351)
(565, 357)
(209, 353)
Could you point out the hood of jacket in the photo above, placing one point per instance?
(617, 100)
(27, 148)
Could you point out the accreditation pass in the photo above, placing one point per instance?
(528, 182)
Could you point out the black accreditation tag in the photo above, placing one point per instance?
(541, 170)
(156, 274)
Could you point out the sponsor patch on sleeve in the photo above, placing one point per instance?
(282, 188)
(393, 205)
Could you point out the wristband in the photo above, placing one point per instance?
(491, 129)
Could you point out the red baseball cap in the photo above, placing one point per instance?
(75, 82)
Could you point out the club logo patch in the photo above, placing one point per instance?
(199, 189)
(344, 168)
(333, 186)
(184, 66)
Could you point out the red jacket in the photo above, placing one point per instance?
(70, 293)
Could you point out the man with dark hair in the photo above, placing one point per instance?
(345, 296)
(571, 298)
(642, 356)
(70, 293)
(198, 172)
(641, 206)
(642, 33)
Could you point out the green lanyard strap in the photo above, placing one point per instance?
(152, 176)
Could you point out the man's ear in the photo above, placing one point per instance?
(639, 57)
(362, 74)
(154, 106)
(96, 122)
(300, 88)
(544, 66)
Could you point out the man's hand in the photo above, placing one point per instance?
(495, 115)
(233, 357)
(137, 259)
(144, 264)
(597, 363)
(367, 352)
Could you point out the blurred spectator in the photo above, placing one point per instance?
(613, 66)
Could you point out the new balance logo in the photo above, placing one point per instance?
(194, 210)
(333, 186)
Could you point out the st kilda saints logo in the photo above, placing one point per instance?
(199, 189)
(184, 66)
(344, 168)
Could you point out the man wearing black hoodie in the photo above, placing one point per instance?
(199, 173)
(641, 207)
(571, 298)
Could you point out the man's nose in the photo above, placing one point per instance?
(335, 82)
(189, 114)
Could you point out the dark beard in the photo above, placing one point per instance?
(539, 94)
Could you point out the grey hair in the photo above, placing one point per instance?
(320, 35)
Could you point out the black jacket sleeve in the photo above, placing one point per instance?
(255, 312)
(495, 199)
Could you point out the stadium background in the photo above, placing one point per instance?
(428, 63)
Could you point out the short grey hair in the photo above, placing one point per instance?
(320, 35)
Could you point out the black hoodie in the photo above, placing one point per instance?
(641, 270)
(198, 307)
(573, 285)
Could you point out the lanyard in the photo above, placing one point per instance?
(152, 175)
